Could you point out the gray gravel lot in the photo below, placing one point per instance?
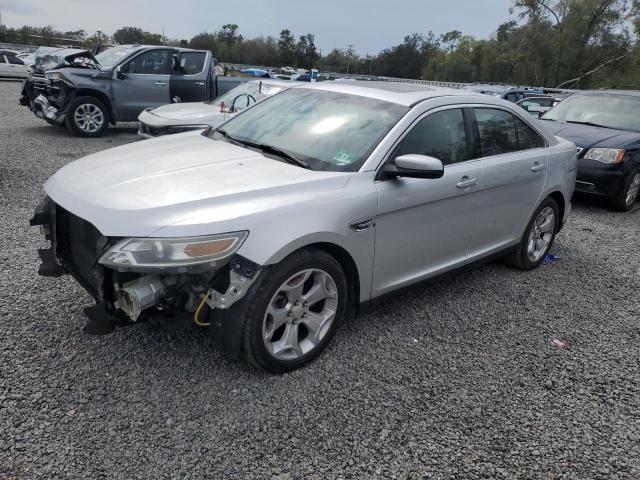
(457, 380)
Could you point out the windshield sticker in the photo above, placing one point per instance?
(342, 157)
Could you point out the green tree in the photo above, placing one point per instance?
(287, 47)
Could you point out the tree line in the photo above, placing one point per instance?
(568, 43)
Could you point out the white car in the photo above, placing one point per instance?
(182, 117)
(11, 66)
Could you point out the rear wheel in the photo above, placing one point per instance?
(538, 237)
(628, 193)
(87, 117)
(295, 312)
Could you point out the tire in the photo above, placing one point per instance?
(623, 202)
(87, 117)
(528, 256)
(280, 335)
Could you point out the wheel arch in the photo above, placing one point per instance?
(350, 268)
(558, 197)
(103, 97)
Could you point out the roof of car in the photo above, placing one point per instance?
(396, 92)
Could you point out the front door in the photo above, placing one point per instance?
(142, 82)
(514, 161)
(191, 77)
(425, 226)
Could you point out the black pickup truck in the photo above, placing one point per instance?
(89, 92)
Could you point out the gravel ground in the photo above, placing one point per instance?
(458, 380)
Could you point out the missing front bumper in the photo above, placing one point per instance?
(44, 109)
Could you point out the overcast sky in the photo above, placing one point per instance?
(370, 25)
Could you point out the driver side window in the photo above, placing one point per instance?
(440, 135)
(151, 62)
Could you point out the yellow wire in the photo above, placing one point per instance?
(197, 313)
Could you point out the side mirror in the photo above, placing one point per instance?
(415, 166)
(120, 72)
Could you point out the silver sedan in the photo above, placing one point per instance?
(297, 212)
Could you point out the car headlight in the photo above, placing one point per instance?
(175, 254)
(53, 76)
(605, 155)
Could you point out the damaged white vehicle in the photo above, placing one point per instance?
(273, 228)
(183, 117)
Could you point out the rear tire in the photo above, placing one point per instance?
(538, 237)
(87, 117)
(295, 311)
(623, 202)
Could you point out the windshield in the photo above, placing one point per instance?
(607, 110)
(328, 130)
(258, 90)
(112, 56)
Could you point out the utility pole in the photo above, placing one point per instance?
(163, 36)
(350, 53)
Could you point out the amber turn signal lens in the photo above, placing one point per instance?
(209, 248)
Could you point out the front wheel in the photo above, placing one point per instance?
(295, 312)
(628, 193)
(538, 237)
(87, 117)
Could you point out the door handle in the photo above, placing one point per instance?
(537, 167)
(466, 182)
(160, 84)
(200, 83)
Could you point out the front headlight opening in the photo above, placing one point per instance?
(53, 75)
(171, 253)
(605, 155)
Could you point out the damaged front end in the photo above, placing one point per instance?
(137, 279)
(47, 91)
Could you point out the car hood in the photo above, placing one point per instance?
(49, 58)
(184, 114)
(586, 136)
(138, 189)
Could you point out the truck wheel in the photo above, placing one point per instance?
(628, 193)
(295, 311)
(87, 117)
(538, 237)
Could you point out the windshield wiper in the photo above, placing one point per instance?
(283, 154)
(590, 124)
(289, 157)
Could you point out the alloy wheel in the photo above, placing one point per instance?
(300, 314)
(633, 190)
(541, 234)
(88, 117)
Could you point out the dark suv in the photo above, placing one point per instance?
(605, 126)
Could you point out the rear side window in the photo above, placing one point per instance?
(3, 59)
(440, 135)
(191, 63)
(527, 137)
(502, 132)
(151, 62)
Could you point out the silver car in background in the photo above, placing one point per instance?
(273, 228)
(182, 117)
(11, 65)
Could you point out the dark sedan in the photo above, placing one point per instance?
(605, 126)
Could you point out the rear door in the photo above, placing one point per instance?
(5, 69)
(514, 161)
(191, 77)
(144, 82)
